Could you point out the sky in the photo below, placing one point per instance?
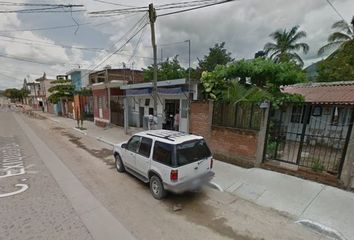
(243, 25)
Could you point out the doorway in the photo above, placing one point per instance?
(171, 108)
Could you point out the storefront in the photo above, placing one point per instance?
(172, 98)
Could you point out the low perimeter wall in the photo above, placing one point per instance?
(236, 146)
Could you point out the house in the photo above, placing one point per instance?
(38, 93)
(314, 134)
(83, 103)
(79, 78)
(172, 97)
(32, 98)
(108, 95)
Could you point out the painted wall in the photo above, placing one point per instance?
(100, 109)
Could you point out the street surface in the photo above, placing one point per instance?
(58, 184)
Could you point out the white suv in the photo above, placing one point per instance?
(168, 160)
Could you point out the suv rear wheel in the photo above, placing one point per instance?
(156, 188)
(119, 163)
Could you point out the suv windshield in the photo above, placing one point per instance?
(192, 151)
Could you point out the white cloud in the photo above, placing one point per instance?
(244, 26)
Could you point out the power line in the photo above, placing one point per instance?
(195, 8)
(27, 60)
(11, 77)
(63, 26)
(112, 3)
(334, 8)
(137, 45)
(35, 44)
(136, 25)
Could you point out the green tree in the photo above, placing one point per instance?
(286, 46)
(169, 69)
(339, 66)
(16, 94)
(337, 39)
(254, 74)
(61, 89)
(217, 55)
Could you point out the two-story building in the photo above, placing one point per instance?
(107, 93)
(83, 103)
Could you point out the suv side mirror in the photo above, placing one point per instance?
(124, 145)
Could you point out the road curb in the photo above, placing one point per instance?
(80, 131)
(215, 186)
(330, 232)
(101, 139)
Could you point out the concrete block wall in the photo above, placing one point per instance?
(236, 146)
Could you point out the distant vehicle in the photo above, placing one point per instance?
(167, 160)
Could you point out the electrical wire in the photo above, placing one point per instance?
(195, 8)
(64, 26)
(334, 8)
(137, 45)
(141, 21)
(112, 3)
(28, 60)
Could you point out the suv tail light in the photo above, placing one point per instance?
(174, 175)
(211, 163)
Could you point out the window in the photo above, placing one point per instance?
(147, 102)
(163, 153)
(339, 116)
(145, 147)
(317, 111)
(133, 144)
(298, 114)
(243, 115)
(192, 151)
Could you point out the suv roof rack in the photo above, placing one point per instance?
(168, 136)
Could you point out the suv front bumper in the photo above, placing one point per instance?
(191, 184)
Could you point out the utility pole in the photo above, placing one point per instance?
(189, 83)
(152, 17)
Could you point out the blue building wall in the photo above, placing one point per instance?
(57, 108)
(76, 80)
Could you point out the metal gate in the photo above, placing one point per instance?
(311, 136)
(117, 110)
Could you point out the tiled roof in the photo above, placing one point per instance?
(334, 92)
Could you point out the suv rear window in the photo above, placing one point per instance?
(192, 151)
(163, 153)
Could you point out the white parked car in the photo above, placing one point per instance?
(168, 160)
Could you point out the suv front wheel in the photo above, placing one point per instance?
(156, 188)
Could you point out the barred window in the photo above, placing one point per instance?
(244, 115)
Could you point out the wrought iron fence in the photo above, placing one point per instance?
(243, 115)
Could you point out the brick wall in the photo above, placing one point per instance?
(236, 146)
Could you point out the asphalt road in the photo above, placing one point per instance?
(74, 192)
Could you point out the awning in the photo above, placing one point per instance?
(162, 91)
(176, 90)
(138, 92)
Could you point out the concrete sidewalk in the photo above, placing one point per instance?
(305, 200)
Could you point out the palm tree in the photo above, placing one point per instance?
(339, 38)
(286, 45)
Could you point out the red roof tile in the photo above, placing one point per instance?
(335, 92)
